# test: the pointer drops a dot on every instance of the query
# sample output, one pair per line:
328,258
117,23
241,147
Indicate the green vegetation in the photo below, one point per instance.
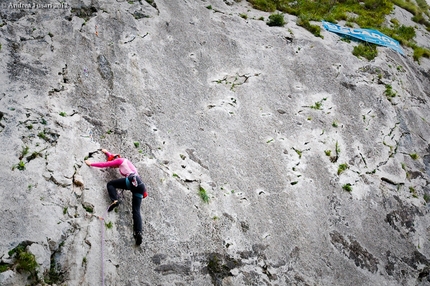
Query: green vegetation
24,152
65,210
389,92
317,105
136,144
264,5
347,187
63,114
365,50
413,192
276,20
203,195
370,14
243,15
420,52
335,124
42,135
3,267
299,152
24,260
342,167
109,225
426,198
87,208
334,158
21,166
414,156
303,21
327,153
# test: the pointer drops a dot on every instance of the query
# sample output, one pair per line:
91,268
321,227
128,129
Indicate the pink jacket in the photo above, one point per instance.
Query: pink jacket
124,165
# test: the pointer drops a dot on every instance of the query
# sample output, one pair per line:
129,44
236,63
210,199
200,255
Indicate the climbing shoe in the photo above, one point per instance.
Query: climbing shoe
113,205
138,238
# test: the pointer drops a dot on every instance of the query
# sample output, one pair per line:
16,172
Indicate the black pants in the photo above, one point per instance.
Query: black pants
136,201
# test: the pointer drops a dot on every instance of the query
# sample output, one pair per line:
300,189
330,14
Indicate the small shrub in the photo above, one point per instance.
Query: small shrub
3,267
413,192
414,156
314,29
87,208
136,144
42,135
327,152
342,168
30,126
276,20
347,187
263,5
109,225
63,114
203,195
317,105
21,166
420,52
209,7
335,124
389,91
24,152
65,210
405,32
243,15
367,51
337,147
24,260
299,152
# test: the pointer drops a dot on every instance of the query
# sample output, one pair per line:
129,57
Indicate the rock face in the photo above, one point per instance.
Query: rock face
259,119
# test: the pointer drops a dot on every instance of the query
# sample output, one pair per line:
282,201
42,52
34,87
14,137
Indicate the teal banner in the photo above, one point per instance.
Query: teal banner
367,35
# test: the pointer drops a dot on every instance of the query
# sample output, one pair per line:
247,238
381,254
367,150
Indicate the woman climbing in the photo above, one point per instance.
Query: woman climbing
132,182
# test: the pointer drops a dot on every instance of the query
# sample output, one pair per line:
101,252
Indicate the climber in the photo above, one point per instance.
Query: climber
132,182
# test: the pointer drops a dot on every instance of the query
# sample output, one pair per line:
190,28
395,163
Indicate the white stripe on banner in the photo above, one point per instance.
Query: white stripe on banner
368,35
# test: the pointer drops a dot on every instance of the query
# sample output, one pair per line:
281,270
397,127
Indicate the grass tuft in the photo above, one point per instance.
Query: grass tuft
347,187
342,168
276,20
365,50
203,195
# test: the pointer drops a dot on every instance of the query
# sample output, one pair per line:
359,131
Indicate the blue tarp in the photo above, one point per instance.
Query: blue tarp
368,35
